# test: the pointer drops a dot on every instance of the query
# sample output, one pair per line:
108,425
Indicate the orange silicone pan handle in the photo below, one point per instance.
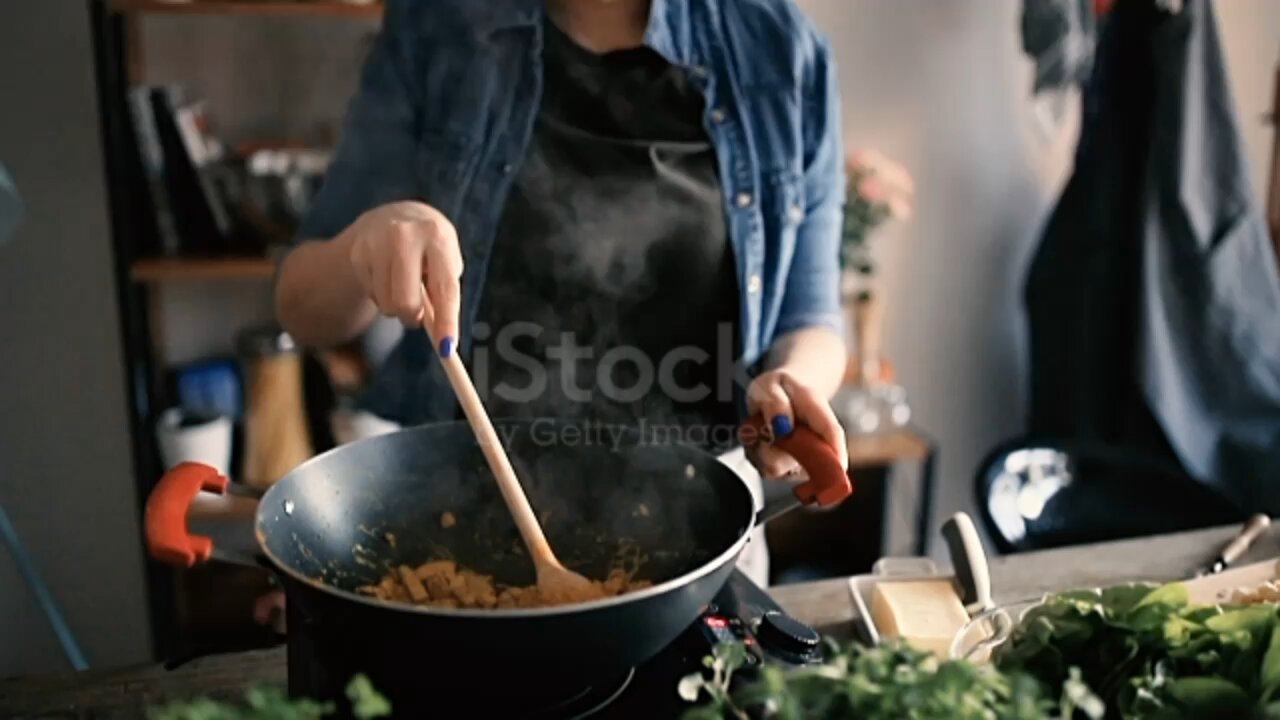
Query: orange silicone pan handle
165,520
828,482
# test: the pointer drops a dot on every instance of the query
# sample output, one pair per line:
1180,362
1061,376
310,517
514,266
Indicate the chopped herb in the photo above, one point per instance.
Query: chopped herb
270,703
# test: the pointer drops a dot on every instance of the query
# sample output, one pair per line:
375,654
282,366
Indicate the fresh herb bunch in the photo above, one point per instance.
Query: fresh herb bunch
1151,653
891,682
268,703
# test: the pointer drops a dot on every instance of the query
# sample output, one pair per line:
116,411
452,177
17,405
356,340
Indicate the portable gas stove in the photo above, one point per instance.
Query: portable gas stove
741,611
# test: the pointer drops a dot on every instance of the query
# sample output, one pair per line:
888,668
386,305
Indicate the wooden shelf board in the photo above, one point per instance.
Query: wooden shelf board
248,7
156,270
904,445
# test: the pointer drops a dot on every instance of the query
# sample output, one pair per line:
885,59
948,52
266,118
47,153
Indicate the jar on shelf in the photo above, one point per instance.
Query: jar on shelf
869,402
275,421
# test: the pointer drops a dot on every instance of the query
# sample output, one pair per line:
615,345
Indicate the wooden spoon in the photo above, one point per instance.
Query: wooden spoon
556,583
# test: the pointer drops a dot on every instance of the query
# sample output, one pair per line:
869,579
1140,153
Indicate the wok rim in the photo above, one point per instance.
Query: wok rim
656,590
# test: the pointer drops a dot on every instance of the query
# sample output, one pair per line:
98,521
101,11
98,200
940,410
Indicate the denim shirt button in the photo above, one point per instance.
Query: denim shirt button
754,283
743,200
719,115
508,168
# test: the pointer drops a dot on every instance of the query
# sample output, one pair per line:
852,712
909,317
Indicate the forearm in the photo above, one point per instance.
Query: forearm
319,301
815,357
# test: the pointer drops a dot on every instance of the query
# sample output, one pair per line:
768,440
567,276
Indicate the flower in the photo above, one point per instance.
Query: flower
872,190
896,176
899,208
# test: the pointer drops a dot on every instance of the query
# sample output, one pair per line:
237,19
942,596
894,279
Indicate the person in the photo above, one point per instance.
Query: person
594,202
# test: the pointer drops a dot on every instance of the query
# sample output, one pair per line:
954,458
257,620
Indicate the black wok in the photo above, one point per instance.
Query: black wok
345,518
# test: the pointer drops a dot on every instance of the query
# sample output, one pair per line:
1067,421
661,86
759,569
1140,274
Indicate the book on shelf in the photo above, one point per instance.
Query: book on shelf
182,174
205,155
197,198
151,156
199,211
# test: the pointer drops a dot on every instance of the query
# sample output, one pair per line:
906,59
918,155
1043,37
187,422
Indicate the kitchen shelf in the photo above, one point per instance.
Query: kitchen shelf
248,7
158,270
902,445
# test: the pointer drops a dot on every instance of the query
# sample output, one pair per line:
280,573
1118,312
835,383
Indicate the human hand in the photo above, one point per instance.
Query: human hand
398,248
785,402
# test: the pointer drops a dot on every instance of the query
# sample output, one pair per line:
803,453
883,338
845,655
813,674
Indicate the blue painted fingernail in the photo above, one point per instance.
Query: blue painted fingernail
446,347
781,425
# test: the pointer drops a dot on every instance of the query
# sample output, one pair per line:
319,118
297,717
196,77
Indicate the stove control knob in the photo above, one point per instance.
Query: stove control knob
782,633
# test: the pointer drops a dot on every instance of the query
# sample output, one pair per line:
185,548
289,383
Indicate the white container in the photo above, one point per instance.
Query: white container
351,425
886,570
207,440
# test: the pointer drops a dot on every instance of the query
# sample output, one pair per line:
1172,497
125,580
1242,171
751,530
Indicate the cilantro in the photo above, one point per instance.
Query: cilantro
269,703
891,682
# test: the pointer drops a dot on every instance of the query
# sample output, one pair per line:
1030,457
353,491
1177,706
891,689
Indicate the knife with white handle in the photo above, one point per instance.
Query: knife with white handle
969,559
1239,545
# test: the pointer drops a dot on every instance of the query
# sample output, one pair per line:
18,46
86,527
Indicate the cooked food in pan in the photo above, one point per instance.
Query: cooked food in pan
441,583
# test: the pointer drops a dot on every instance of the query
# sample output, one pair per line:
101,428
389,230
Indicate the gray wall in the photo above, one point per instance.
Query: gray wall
66,477
944,87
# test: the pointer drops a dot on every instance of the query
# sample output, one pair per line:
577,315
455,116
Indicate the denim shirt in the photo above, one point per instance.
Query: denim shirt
445,112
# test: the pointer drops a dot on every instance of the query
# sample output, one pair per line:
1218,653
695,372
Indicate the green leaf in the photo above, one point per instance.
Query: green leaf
366,703
1269,679
1255,620
1173,594
1209,697
1120,599
1178,631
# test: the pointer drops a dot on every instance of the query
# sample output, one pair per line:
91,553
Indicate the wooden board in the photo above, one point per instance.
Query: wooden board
1219,588
888,448
155,270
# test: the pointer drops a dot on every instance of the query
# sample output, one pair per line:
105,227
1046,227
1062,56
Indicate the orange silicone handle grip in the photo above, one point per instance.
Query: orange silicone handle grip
165,520
828,482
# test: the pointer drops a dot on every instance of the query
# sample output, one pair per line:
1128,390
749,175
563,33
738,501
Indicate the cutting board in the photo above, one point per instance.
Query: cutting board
1219,588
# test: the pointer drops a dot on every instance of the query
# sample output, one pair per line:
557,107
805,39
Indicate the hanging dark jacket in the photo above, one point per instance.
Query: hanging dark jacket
1154,298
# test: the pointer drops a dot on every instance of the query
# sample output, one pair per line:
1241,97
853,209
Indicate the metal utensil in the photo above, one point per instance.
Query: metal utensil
1239,545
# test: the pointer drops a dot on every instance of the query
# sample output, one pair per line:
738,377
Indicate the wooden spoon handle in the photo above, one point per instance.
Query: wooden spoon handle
491,446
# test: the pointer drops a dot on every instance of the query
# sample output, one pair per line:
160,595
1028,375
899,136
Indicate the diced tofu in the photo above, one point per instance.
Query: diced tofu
479,590
438,586
616,581
413,584
437,567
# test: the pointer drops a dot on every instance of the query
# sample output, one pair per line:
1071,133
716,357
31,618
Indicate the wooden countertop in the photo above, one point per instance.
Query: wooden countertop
112,694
